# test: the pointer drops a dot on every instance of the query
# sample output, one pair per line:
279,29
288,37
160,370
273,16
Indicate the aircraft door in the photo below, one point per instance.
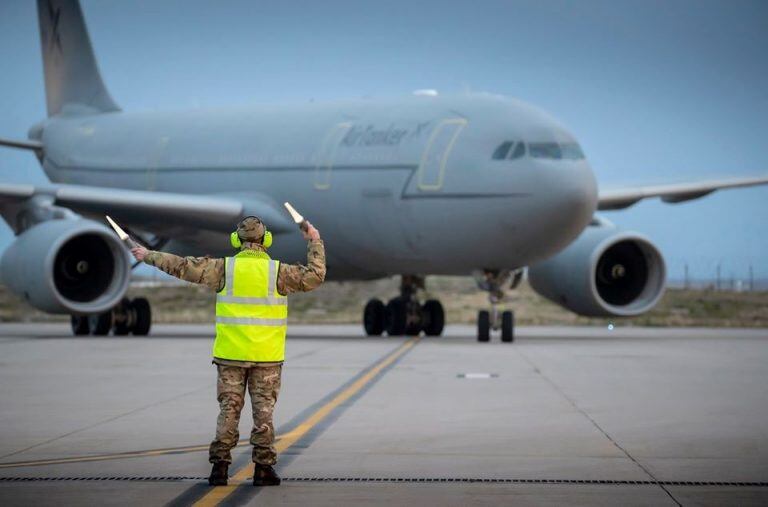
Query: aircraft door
435,156
327,154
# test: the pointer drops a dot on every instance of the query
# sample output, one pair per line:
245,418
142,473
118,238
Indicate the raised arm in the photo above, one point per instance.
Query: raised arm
202,270
303,278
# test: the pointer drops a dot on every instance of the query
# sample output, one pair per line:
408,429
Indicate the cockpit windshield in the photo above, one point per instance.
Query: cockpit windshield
510,150
571,151
545,150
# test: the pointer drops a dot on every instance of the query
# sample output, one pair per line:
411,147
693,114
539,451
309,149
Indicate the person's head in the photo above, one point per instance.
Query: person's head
251,230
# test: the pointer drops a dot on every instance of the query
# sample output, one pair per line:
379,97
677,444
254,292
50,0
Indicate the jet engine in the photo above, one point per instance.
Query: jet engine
604,272
67,266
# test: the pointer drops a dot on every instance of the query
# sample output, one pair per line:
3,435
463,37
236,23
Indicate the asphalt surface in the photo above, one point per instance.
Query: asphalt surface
564,416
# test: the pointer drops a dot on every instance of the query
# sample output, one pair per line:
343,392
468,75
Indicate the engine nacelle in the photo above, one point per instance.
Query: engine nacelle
605,272
67,266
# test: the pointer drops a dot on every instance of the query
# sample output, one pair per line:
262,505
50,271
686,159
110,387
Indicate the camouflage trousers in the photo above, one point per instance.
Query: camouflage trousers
263,384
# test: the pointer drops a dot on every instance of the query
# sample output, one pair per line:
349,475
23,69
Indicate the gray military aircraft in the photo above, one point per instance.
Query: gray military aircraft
413,186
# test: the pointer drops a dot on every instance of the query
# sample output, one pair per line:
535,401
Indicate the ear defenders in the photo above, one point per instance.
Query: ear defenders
236,242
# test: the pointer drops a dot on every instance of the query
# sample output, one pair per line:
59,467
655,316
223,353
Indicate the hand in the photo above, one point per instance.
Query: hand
311,233
139,252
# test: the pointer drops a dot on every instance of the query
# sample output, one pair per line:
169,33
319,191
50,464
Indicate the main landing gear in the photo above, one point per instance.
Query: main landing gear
404,315
493,282
130,316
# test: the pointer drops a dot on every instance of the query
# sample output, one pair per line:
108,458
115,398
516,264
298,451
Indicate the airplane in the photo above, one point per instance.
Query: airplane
425,184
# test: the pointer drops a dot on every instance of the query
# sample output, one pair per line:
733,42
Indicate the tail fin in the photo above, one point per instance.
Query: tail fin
71,74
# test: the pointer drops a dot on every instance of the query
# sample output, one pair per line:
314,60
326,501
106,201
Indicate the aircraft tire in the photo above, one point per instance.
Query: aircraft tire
373,317
80,325
121,329
434,317
395,317
143,317
507,327
413,328
483,326
100,323
124,317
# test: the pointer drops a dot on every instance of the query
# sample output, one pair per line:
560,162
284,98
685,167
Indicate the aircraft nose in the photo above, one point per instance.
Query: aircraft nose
573,200
577,194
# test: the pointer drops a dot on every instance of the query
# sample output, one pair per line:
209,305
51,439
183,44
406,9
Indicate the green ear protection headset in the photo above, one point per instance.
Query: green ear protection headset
236,242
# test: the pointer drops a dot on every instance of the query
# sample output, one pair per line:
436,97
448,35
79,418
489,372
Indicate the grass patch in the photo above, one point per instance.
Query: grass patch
343,302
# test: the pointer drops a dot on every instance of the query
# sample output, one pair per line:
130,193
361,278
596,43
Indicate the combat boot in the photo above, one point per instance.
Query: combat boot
265,475
219,474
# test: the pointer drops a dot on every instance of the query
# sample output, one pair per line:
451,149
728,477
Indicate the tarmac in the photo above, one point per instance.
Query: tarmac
563,416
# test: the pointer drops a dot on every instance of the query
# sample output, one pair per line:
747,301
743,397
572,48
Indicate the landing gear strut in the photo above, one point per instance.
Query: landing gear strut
493,282
130,316
404,315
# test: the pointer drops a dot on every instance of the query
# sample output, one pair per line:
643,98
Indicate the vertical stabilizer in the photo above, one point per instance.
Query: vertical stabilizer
71,74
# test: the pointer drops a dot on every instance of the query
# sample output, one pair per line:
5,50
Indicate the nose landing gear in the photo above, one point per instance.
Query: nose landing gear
493,282
404,315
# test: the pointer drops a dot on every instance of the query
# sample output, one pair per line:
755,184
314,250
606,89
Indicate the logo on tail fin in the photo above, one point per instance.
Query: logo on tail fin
54,39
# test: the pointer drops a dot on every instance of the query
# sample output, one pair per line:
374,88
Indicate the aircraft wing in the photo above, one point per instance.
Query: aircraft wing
624,197
162,213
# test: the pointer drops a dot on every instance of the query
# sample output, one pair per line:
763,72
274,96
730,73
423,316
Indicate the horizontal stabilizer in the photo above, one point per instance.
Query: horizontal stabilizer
24,145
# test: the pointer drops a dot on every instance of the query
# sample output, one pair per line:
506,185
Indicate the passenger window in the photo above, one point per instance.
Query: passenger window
518,152
545,150
572,151
502,150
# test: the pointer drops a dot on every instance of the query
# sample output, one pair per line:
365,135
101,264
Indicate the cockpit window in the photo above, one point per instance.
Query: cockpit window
545,150
518,152
572,151
511,150
501,152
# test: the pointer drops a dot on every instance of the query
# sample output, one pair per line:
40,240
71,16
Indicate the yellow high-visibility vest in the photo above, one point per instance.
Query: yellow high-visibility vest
251,317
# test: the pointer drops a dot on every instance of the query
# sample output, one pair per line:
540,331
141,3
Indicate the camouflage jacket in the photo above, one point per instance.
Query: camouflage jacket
208,271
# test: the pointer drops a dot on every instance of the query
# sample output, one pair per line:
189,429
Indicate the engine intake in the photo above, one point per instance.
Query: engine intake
67,266
605,272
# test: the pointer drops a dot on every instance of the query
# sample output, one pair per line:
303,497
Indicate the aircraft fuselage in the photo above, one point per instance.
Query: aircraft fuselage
393,185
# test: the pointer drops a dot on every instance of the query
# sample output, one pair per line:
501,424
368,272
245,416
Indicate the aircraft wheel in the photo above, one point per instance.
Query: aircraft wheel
483,326
100,323
121,329
413,324
124,318
507,327
395,317
80,325
434,317
373,317
143,317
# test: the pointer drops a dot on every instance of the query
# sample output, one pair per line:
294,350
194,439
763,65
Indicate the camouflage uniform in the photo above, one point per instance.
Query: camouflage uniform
261,379
264,386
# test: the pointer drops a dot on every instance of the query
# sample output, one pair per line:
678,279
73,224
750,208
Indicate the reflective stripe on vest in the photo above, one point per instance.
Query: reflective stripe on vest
251,316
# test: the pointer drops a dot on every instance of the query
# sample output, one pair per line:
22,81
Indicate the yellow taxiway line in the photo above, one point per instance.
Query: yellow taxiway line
117,455
220,493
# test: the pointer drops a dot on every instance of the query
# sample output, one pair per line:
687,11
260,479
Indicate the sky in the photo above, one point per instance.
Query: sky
655,91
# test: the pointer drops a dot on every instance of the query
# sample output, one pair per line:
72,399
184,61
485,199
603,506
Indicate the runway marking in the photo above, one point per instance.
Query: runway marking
104,421
592,420
218,494
123,455
117,455
419,480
